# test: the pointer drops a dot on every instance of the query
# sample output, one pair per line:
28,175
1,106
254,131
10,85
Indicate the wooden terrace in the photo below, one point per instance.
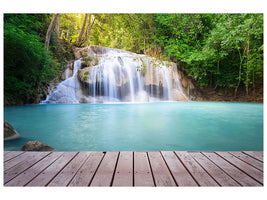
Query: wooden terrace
159,168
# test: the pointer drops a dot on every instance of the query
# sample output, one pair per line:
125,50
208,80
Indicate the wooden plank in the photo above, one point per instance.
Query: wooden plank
65,176
85,174
231,170
255,154
10,163
29,159
161,173
11,155
252,161
33,171
104,174
196,170
124,171
142,170
179,172
49,173
248,169
219,175
6,152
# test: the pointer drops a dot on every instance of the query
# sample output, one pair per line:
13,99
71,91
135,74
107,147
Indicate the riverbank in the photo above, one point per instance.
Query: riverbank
226,94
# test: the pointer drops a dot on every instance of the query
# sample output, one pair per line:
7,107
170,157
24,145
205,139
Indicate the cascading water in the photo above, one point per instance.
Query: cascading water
68,90
118,76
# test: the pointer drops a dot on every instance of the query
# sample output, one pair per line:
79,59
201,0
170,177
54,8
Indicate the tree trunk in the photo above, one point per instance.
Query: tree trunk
88,29
49,30
144,44
79,39
240,68
57,25
247,81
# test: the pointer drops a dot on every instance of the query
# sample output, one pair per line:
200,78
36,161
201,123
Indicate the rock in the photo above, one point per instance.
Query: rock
9,131
178,96
81,52
36,146
85,99
68,71
83,75
184,83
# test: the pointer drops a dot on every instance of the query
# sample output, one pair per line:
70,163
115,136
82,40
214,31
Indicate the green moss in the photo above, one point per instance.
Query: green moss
144,67
89,59
85,75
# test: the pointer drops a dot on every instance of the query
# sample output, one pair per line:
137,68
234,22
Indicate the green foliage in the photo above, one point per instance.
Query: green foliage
89,59
218,49
85,75
27,65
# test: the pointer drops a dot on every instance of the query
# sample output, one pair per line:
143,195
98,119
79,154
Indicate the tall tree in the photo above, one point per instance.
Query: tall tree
50,29
88,29
79,39
57,25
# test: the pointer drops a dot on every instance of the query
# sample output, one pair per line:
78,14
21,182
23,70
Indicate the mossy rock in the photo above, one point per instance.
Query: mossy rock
9,131
36,146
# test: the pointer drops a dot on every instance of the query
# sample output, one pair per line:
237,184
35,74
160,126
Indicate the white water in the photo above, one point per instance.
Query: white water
68,90
121,76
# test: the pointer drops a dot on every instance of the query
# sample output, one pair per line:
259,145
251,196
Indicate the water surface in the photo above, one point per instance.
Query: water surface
181,126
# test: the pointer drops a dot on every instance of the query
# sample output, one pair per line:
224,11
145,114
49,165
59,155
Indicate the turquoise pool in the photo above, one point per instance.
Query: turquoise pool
182,126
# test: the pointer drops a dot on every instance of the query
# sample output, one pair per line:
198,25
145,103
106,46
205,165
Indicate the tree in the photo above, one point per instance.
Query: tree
88,29
50,29
57,25
81,34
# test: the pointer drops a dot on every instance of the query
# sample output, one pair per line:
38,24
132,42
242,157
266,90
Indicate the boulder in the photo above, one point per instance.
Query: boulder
36,146
9,131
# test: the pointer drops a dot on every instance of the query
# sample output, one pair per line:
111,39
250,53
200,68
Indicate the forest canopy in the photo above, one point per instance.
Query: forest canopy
215,50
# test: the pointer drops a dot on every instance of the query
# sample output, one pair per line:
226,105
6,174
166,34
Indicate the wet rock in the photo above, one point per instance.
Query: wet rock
36,146
9,131
85,99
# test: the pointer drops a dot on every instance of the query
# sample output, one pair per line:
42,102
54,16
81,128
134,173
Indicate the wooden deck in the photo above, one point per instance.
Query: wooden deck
165,168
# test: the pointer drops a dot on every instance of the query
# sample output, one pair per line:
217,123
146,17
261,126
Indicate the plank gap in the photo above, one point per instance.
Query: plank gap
244,160
154,181
133,170
112,179
221,168
30,165
43,170
206,171
61,169
186,168
169,169
251,156
78,170
239,168
104,154
10,156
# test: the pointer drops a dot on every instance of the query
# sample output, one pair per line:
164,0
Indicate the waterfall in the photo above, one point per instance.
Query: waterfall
119,76
68,90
